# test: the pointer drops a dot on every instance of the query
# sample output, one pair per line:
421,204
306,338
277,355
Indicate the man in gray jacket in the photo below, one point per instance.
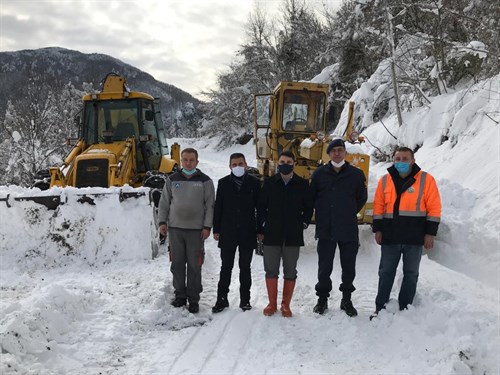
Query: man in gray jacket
186,213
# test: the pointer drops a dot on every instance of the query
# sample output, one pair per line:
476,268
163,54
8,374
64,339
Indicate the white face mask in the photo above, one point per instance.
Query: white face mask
238,171
337,165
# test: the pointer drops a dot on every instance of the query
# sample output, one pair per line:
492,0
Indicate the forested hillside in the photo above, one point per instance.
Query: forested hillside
427,48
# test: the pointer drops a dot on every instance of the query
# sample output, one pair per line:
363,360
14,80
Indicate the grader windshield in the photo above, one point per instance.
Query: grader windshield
303,111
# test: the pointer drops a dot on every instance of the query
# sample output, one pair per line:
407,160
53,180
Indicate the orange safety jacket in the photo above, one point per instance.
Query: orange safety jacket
406,209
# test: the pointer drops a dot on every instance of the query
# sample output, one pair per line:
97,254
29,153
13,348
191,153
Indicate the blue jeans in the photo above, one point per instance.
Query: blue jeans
389,260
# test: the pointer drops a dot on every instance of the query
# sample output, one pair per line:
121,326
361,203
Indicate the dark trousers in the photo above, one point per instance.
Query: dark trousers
326,254
389,260
227,255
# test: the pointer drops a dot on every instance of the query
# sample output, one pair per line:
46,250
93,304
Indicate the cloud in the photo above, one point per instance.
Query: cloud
183,43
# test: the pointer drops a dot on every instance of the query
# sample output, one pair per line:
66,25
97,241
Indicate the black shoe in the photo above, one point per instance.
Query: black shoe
245,306
321,306
374,315
347,306
194,307
178,302
220,305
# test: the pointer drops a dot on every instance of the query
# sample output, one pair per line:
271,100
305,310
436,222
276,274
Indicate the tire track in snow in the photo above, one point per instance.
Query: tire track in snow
243,347
237,315
216,344
186,345
189,346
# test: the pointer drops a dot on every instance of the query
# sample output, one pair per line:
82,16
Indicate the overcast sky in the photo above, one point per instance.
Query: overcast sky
181,42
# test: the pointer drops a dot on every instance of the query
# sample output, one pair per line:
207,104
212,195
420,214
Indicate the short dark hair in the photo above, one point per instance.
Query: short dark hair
404,149
287,154
190,150
237,155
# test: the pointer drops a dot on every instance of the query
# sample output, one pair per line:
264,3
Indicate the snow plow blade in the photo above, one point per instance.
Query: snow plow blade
54,201
51,201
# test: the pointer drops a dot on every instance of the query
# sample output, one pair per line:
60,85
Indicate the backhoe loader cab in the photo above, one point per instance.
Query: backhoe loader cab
117,120
120,140
293,118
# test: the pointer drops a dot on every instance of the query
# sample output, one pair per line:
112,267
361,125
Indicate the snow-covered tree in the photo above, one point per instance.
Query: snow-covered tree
35,129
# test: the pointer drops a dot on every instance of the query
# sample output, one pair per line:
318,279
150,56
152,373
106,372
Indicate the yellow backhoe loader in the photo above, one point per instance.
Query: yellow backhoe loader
121,142
293,118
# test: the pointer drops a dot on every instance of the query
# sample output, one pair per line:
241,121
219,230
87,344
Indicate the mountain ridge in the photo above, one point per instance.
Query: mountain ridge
59,66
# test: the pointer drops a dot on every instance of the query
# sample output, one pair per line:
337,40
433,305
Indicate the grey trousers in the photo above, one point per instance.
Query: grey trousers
186,248
272,260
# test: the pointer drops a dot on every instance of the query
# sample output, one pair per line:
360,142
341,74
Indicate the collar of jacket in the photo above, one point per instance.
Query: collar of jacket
342,168
277,178
395,174
197,173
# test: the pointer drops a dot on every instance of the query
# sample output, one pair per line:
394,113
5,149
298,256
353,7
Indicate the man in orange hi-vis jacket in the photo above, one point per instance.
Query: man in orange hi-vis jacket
406,215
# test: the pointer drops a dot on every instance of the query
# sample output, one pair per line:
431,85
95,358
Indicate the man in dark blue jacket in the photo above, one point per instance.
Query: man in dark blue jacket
235,226
339,192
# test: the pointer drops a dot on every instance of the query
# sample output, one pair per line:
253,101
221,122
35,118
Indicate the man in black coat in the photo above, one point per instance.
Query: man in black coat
284,211
339,191
235,226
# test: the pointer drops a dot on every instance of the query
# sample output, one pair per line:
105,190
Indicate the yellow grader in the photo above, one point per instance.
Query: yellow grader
293,118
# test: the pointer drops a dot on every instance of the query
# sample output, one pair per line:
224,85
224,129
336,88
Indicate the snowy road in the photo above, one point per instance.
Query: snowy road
115,318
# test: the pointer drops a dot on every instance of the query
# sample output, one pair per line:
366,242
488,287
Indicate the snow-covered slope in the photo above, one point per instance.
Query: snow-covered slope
458,141
90,300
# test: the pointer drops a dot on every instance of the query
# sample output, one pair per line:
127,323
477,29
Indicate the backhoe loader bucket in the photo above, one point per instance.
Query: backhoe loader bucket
93,224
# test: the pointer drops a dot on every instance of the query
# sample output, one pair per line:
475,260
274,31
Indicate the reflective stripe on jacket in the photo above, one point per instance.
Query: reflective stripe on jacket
405,218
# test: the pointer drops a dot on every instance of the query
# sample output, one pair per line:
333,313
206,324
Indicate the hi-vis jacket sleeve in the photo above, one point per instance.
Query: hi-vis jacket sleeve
378,207
433,205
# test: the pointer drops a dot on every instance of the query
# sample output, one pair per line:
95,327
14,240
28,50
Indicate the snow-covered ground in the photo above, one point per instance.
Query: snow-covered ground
89,300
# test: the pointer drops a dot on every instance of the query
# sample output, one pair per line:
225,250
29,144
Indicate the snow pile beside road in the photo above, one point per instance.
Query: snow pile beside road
96,233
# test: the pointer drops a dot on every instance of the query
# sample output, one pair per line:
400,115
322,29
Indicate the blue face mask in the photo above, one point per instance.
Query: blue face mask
189,173
402,167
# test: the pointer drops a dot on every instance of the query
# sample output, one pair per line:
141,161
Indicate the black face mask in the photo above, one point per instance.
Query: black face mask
285,168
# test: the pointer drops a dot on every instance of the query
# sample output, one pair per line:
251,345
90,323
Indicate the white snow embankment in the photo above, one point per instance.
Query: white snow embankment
92,233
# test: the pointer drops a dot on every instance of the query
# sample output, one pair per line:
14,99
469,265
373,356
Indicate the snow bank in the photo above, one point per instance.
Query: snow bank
458,142
34,236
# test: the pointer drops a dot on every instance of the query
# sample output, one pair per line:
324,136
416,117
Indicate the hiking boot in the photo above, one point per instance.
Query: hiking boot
321,306
178,302
220,305
245,306
347,306
194,307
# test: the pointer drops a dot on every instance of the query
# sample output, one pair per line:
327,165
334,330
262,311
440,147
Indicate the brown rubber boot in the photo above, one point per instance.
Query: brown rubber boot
272,292
288,287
